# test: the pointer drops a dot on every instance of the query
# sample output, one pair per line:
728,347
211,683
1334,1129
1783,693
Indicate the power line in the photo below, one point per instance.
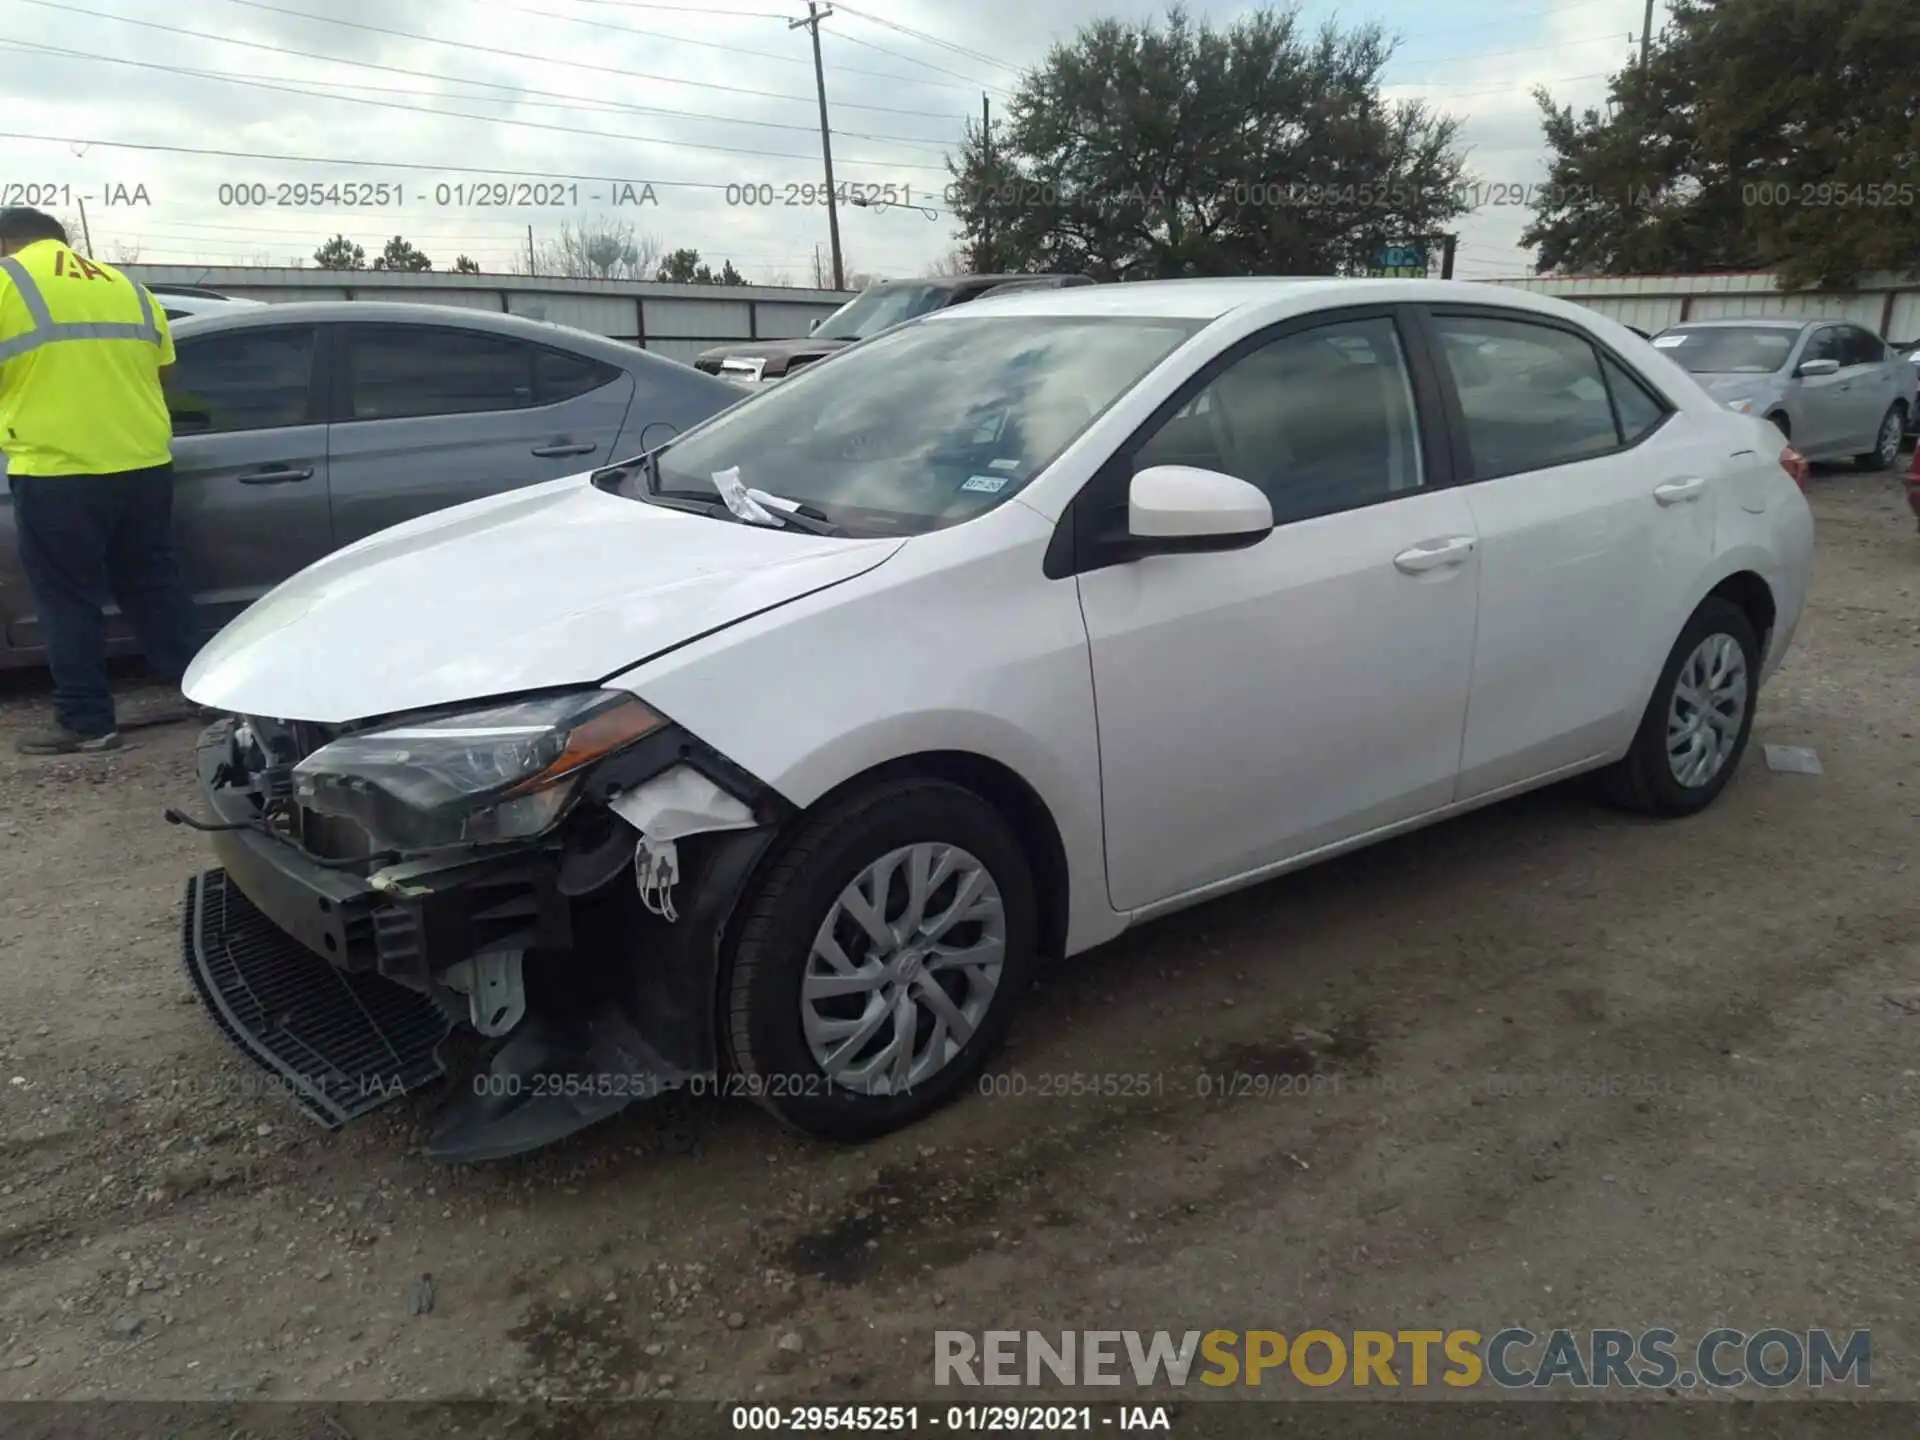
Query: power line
927,39
525,55
561,101
690,10
710,44
371,65
915,60
557,129
1524,50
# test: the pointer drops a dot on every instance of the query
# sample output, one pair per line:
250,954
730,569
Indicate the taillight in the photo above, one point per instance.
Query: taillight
1795,464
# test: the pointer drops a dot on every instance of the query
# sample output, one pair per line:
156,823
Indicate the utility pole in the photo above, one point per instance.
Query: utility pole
1646,42
86,235
985,265
1449,248
531,267
814,16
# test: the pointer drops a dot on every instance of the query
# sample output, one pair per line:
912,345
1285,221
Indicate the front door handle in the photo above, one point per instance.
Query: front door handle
274,475
565,447
1434,555
1680,492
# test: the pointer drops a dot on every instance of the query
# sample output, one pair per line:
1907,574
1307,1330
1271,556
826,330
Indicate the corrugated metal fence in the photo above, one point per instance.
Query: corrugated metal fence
678,321
1888,304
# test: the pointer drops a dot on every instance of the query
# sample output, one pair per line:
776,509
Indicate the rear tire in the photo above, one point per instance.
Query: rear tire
809,974
1886,448
1687,749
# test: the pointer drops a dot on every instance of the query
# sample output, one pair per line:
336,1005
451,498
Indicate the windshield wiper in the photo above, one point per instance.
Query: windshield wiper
796,514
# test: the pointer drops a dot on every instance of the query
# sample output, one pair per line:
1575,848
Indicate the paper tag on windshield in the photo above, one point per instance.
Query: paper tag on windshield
733,492
990,484
1003,464
1667,342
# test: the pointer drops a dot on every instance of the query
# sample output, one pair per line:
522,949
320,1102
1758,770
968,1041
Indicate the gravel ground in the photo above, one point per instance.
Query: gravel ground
1711,1110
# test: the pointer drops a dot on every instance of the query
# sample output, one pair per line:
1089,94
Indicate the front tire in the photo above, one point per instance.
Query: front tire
1886,445
881,959
1696,725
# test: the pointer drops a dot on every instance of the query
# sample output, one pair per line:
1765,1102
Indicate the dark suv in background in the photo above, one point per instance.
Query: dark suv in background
753,363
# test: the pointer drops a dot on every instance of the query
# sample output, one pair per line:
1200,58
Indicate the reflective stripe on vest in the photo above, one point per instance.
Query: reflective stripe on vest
46,330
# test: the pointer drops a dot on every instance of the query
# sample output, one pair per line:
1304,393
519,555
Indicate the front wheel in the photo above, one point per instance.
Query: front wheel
1696,725
881,959
1886,445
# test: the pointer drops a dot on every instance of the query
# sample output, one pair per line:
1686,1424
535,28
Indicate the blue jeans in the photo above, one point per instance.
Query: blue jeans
85,539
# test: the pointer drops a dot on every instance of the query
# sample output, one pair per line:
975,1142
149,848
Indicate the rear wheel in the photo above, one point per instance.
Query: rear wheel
1696,725
881,960
1886,445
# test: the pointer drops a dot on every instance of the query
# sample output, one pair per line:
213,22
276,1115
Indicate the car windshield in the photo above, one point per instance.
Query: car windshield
1728,349
879,309
925,427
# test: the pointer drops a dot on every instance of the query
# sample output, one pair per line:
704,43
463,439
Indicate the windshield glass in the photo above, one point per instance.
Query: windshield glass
1728,349
879,308
927,426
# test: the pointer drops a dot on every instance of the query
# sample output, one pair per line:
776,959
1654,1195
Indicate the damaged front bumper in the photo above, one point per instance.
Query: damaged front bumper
346,978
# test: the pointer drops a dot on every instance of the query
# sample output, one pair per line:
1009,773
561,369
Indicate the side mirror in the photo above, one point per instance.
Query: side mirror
813,324
1176,509
1818,367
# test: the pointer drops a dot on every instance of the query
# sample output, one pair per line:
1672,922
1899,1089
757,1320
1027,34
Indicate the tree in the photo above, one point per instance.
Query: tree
465,265
400,254
1135,152
124,252
340,253
954,262
685,267
1720,157
594,249
822,271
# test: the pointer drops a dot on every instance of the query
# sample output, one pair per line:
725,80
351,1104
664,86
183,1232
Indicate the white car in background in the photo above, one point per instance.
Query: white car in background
781,751
181,301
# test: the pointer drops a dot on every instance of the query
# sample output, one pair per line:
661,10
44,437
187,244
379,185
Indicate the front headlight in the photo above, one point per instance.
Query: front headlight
1745,407
504,773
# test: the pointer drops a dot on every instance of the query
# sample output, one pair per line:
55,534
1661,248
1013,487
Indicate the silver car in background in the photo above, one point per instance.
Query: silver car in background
1833,387
301,428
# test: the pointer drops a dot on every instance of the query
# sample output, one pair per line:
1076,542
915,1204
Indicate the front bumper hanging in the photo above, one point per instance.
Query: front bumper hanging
341,1043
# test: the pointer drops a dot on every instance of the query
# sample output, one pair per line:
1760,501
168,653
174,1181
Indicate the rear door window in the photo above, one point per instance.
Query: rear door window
1532,395
559,376
1861,347
251,379
402,371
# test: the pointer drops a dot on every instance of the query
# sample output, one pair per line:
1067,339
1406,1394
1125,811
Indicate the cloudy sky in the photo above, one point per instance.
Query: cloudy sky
99,98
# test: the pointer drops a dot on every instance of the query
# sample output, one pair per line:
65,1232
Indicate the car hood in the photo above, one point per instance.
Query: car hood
556,584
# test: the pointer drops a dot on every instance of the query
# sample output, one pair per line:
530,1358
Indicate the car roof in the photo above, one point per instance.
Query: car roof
1211,299
381,312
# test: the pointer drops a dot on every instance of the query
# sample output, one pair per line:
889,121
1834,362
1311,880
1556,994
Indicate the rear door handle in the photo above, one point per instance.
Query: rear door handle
1434,555
1680,492
565,447
274,475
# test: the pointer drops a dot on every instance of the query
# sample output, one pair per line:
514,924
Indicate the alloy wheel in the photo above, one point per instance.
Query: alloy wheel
903,968
1708,708
1890,432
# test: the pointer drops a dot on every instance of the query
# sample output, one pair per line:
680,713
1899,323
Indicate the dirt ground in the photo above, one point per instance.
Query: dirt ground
1580,1069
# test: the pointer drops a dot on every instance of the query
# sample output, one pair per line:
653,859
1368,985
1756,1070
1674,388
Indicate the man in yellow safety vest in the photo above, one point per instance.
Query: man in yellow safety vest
85,430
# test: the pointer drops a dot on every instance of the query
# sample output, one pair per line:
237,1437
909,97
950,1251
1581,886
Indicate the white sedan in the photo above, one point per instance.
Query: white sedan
777,754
